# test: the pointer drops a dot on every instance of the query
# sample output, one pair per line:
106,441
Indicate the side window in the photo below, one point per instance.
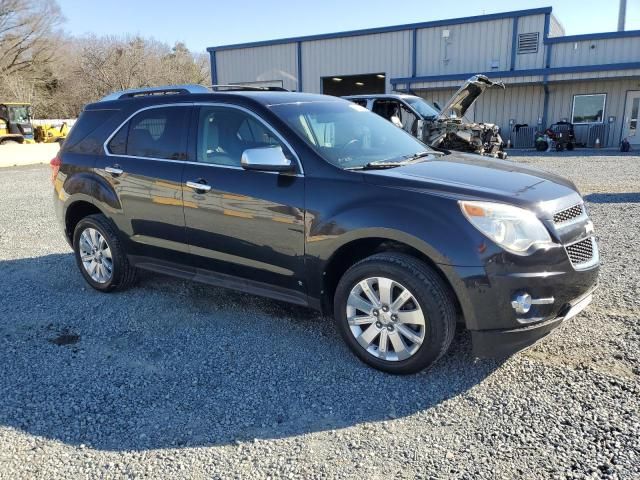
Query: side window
224,133
409,120
389,109
154,133
360,101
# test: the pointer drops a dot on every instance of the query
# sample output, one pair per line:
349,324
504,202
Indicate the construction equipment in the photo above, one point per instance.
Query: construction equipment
48,133
15,123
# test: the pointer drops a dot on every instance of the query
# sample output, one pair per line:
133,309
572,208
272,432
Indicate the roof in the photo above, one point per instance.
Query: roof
380,95
266,99
394,28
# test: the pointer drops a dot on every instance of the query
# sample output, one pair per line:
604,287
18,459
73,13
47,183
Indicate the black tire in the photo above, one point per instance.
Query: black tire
559,147
432,295
570,146
123,273
541,145
10,142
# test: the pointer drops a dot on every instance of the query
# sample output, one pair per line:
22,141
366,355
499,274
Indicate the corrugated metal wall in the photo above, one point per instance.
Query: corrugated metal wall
259,64
561,101
594,52
387,53
470,47
555,27
531,24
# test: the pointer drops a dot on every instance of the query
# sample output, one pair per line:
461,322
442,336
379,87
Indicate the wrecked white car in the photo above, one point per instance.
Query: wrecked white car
441,127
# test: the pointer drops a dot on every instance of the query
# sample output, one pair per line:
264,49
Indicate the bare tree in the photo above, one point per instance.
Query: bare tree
27,28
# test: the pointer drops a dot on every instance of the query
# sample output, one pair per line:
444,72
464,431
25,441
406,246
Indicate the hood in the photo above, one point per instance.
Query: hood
466,95
478,177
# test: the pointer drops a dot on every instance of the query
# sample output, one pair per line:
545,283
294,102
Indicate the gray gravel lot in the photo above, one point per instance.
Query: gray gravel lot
174,379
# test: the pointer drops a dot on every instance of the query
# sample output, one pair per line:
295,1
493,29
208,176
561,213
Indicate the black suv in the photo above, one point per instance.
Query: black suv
314,200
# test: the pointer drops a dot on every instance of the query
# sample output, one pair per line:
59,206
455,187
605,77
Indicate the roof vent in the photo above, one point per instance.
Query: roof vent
528,42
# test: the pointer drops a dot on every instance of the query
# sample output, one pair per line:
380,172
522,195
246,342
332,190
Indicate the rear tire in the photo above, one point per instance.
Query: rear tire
422,343
100,255
10,142
541,145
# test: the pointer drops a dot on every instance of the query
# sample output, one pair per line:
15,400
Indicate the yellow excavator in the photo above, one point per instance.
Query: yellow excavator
16,126
15,123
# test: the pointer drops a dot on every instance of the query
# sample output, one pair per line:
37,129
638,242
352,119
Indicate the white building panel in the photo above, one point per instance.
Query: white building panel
594,52
378,53
531,24
479,47
259,64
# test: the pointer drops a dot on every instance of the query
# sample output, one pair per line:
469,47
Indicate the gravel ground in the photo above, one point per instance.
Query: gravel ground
173,379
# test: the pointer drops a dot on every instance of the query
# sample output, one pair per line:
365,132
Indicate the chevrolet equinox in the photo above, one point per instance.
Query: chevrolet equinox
316,201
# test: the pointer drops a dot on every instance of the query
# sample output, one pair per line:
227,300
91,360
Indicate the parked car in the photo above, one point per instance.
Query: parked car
316,201
443,128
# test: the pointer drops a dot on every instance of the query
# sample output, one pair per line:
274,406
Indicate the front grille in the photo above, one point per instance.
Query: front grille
580,252
568,214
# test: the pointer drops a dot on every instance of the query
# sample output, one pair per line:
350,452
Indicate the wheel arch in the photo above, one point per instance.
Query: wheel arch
353,250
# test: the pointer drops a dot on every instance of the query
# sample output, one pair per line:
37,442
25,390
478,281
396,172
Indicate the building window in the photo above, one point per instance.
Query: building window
528,42
588,108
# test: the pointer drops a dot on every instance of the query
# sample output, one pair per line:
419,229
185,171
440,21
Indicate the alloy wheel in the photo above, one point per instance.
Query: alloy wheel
95,255
385,318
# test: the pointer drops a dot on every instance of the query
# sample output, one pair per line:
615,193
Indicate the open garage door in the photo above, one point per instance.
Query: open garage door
354,84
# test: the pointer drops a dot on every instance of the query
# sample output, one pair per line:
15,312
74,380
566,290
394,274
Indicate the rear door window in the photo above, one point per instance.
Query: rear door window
154,133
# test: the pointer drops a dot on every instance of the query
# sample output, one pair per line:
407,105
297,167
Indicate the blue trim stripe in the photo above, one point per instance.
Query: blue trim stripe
214,67
521,73
299,86
395,28
514,41
593,36
414,53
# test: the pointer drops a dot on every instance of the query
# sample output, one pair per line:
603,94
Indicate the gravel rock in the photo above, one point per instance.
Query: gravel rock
173,379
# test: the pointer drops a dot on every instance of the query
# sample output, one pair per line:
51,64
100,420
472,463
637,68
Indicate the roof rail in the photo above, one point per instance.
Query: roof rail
145,91
239,87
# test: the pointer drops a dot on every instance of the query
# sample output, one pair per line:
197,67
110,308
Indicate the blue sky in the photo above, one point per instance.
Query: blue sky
201,24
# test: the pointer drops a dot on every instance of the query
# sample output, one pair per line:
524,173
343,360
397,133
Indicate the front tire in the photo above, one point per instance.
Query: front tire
100,255
395,313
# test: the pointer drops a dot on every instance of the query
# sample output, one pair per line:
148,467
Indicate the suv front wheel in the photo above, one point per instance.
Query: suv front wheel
100,255
395,313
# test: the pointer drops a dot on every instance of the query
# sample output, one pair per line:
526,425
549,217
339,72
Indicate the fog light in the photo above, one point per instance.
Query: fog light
522,303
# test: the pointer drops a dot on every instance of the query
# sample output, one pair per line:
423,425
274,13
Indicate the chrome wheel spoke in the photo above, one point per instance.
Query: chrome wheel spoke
385,285
359,303
399,347
401,300
382,342
409,334
369,335
361,320
95,255
366,289
412,317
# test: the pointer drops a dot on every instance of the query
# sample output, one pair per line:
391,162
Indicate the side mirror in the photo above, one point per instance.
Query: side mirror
270,159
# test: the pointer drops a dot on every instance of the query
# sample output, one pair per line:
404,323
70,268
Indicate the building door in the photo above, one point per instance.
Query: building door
631,128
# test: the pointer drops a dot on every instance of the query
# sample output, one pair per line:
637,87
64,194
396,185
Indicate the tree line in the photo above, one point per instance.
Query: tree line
58,73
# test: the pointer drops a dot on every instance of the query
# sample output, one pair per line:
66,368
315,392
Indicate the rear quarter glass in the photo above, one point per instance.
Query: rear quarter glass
81,138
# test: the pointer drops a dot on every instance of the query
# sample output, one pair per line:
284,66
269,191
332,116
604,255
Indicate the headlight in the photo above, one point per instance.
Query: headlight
513,228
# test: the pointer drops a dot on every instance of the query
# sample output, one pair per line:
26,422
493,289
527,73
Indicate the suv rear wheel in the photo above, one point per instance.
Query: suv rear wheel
100,255
395,313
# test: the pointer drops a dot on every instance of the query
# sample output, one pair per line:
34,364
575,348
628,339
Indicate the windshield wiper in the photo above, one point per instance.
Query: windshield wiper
406,160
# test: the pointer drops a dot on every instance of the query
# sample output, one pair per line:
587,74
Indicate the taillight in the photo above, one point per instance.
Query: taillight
55,163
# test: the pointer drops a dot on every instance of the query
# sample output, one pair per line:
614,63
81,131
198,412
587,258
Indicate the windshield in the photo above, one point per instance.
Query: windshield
422,107
19,114
348,135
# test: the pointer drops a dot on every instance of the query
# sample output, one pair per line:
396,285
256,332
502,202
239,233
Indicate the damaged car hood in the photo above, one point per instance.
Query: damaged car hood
466,95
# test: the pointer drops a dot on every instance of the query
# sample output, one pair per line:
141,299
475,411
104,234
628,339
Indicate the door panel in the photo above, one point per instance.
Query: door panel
250,224
150,189
631,119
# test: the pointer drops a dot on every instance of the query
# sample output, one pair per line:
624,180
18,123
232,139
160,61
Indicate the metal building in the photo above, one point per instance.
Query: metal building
591,80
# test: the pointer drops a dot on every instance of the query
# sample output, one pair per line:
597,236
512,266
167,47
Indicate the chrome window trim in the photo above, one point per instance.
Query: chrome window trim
202,104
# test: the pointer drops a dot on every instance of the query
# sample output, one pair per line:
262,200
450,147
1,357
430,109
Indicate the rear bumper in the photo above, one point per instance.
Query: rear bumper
506,342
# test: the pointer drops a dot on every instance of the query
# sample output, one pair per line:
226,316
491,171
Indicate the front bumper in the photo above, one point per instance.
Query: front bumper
506,342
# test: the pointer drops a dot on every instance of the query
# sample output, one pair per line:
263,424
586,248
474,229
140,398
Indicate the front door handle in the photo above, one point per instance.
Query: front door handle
115,170
198,186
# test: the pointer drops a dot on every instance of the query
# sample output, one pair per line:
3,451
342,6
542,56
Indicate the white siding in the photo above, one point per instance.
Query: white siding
561,101
388,53
259,64
555,27
471,47
531,24
593,52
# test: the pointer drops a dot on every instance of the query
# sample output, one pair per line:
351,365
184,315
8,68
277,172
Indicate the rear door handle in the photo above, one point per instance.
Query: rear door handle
201,187
115,170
